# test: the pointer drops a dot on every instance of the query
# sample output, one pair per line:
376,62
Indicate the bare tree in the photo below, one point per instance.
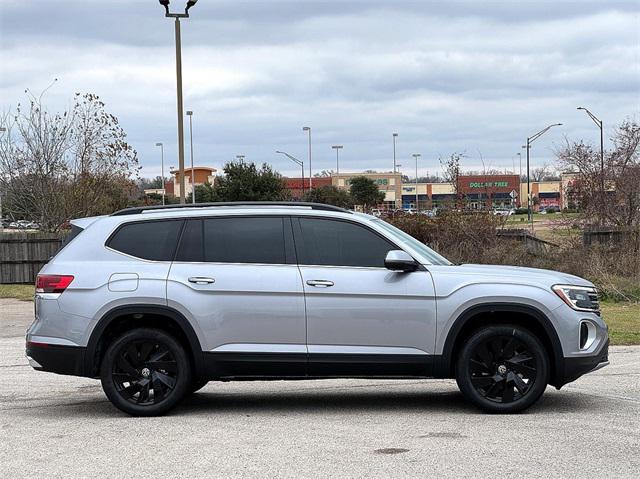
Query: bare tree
451,169
540,173
54,167
619,204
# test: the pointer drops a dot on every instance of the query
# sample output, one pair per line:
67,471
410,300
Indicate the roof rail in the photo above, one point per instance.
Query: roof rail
314,206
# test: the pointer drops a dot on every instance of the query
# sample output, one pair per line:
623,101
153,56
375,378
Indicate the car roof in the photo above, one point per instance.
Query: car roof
233,209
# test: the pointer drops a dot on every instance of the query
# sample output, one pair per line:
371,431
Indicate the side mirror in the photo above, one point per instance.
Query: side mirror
398,260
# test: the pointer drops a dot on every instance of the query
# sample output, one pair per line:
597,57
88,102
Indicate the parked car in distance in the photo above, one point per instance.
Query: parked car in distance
157,301
504,211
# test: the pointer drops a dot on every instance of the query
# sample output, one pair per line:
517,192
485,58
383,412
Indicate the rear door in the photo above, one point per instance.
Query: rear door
236,276
362,319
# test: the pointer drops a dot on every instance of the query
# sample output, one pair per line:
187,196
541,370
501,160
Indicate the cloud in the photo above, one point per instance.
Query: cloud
447,76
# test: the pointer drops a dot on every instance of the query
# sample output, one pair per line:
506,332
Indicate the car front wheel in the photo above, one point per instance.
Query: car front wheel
502,369
145,372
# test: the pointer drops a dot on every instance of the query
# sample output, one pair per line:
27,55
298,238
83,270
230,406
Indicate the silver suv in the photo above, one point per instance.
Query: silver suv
156,302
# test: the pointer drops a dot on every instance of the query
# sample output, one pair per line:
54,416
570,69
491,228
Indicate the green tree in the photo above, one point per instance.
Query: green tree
245,182
365,192
205,193
329,195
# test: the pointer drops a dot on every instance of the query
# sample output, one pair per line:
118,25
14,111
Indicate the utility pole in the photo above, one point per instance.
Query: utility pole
395,135
599,124
530,140
308,130
337,148
300,163
162,169
416,156
193,174
178,16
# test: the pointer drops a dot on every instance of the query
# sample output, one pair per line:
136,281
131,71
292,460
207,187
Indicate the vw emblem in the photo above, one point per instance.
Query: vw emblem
146,372
502,369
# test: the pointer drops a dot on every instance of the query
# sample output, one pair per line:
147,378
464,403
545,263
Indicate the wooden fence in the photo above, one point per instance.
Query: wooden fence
22,254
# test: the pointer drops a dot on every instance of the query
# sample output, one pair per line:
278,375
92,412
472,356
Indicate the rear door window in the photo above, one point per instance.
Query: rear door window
152,240
236,240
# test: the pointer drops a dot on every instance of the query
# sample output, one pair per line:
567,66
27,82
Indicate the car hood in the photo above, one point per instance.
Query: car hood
517,274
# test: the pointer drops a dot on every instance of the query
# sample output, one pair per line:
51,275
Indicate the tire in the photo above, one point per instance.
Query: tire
145,372
502,369
197,385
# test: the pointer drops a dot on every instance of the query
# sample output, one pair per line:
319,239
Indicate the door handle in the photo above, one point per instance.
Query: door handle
201,280
320,283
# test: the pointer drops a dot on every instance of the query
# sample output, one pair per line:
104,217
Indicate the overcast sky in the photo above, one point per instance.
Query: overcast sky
468,76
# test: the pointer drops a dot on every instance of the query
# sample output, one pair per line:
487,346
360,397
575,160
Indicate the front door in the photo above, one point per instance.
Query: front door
362,319
237,279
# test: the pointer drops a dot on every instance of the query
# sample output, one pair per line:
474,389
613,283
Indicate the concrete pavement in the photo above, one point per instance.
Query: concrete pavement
59,426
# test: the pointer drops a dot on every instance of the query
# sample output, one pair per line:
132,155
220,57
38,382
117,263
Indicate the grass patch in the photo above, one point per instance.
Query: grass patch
623,320
22,292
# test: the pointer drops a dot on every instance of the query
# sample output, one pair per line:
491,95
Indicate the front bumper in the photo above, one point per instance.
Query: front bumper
575,367
56,358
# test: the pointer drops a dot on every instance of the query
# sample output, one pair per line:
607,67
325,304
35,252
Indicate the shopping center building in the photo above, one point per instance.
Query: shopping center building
472,192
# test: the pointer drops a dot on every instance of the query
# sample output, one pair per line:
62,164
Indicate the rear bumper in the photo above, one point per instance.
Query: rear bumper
55,358
576,367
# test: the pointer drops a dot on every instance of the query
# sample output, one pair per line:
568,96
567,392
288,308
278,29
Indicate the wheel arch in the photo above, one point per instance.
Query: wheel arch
156,316
527,316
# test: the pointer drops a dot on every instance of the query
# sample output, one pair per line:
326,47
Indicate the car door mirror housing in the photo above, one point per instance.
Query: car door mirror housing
398,260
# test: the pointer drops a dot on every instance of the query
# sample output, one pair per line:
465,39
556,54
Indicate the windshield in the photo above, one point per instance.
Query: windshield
423,249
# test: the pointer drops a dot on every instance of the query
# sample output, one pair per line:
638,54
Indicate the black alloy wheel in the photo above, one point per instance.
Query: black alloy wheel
503,369
145,372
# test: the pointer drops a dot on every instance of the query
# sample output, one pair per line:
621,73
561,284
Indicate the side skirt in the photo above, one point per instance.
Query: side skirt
259,366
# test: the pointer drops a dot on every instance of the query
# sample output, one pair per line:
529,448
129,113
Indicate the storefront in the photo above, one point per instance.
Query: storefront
489,191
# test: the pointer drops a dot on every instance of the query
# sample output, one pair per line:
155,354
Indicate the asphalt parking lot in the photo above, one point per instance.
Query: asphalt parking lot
59,426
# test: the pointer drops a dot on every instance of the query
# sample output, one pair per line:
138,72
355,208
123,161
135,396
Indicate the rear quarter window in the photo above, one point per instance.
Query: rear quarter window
151,240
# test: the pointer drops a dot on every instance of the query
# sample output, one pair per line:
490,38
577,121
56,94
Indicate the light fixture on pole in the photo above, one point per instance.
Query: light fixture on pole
178,16
337,148
193,173
530,140
598,123
395,135
300,163
240,158
416,156
308,130
162,168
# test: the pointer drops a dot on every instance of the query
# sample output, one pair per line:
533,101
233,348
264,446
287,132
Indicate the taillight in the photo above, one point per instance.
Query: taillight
52,283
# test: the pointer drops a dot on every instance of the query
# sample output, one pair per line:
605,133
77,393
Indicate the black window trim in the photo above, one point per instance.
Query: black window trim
290,254
299,243
152,220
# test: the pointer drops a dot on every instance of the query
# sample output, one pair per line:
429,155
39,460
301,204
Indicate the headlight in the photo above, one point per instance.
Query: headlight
580,298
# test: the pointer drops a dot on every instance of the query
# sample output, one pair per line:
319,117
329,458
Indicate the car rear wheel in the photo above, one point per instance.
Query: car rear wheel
145,372
502,369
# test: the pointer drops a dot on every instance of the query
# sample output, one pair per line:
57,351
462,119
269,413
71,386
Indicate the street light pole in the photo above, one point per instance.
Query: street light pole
308,130
193,174
337,148
519,177
2,130
530,140
416,156
395,135
162,169
599,124
300,163
178,16
240,158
